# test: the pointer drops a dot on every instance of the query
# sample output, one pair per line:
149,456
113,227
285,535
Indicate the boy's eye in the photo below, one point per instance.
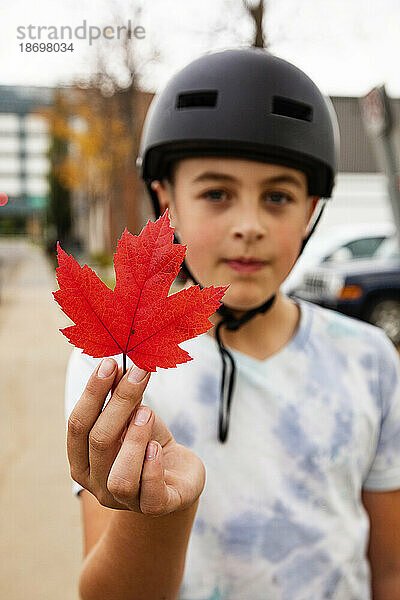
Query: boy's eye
215,195
274,198
278,198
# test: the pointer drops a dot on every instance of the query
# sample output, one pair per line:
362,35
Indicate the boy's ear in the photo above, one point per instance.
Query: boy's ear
313,203
164,198
162,194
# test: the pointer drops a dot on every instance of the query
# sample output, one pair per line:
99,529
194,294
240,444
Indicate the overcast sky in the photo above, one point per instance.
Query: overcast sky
346,46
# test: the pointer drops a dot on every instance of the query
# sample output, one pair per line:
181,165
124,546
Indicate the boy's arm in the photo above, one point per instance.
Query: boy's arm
384,545
137,557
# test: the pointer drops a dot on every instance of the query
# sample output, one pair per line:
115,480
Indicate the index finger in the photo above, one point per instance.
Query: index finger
84,415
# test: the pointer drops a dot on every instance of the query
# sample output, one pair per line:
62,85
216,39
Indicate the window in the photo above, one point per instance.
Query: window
361,248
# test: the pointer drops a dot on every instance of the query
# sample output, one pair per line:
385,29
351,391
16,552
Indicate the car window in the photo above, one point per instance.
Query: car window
389,248
361,248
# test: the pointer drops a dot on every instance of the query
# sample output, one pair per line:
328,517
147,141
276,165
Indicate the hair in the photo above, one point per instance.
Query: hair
169,172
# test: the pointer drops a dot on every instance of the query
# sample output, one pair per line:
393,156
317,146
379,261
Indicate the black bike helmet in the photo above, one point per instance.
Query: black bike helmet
243,103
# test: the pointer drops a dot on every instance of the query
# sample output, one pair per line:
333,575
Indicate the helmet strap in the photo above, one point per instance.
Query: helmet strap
231,323
315,223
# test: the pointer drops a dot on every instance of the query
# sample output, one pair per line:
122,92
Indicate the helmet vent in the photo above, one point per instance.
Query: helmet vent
286,107
200,99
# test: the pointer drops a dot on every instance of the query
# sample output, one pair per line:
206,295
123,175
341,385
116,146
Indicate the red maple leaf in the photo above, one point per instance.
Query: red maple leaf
137,318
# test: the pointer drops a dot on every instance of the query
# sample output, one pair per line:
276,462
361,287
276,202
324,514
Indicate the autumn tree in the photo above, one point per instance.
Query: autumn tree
101,121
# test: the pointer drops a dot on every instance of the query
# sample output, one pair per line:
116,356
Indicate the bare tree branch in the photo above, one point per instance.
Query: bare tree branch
257,13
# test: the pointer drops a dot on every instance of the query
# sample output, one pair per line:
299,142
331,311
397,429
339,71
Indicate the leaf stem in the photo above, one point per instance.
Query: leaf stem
124,364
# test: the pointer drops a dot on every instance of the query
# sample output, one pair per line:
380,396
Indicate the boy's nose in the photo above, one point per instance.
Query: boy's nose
248,227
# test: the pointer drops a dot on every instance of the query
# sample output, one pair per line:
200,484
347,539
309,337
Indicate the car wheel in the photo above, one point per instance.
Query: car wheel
385,313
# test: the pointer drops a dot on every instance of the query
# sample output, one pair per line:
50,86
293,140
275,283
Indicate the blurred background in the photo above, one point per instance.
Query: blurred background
70,123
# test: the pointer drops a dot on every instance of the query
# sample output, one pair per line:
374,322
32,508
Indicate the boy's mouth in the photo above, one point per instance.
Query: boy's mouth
246,265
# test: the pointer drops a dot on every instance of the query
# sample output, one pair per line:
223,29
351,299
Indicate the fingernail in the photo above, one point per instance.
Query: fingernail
135,374
106,367
142,415
151,451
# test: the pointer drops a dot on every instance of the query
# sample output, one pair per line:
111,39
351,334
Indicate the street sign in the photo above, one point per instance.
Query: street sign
379,123
376,112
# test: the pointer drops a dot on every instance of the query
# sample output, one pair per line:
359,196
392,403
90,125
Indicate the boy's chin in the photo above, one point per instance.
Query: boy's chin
240,301
240,306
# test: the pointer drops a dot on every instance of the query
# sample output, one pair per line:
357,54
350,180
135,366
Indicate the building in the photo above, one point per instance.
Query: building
98,220
24,164
361,192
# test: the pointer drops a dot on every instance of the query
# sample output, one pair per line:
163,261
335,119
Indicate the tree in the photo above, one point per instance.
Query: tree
101,125
58,210
257,13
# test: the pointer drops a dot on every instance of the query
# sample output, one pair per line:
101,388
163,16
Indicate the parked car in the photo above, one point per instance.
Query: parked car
338,244
368,289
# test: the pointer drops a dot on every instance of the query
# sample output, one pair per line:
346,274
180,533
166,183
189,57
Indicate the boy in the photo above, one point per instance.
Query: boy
302,452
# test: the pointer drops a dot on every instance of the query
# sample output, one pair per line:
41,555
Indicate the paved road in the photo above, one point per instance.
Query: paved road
40,541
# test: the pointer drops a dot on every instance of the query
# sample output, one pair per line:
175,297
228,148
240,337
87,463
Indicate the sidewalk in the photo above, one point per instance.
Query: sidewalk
40,542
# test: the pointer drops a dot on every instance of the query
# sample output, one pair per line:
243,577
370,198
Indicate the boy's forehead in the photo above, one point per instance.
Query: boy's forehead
199,168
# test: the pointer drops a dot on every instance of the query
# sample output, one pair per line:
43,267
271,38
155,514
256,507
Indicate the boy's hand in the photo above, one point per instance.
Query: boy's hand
107,450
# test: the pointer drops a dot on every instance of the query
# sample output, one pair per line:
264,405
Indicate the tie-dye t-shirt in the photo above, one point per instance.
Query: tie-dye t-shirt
281,516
